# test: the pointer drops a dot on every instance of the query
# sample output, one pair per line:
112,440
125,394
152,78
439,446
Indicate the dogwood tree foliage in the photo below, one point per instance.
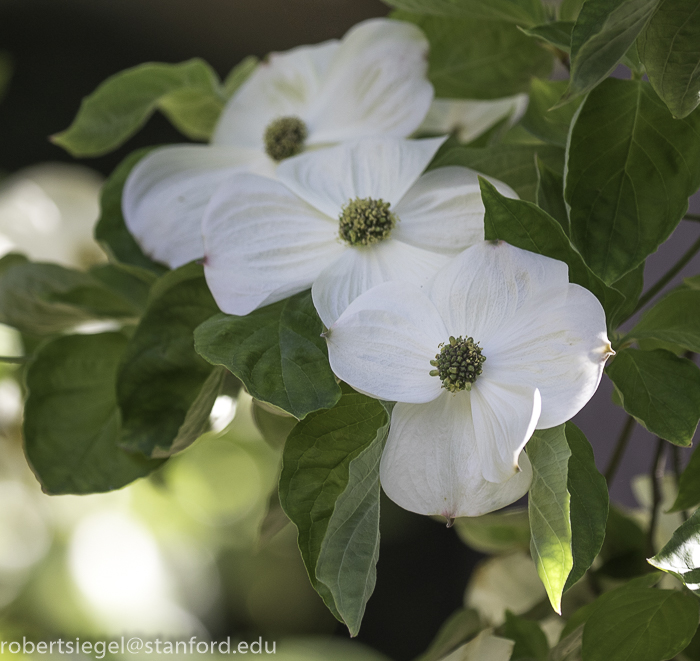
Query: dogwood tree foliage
464,236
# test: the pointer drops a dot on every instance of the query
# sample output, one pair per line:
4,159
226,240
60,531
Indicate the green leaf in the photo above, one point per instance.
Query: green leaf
111,232
165,390
524,225
603,33
475,59
278,353
556,33
630,286
512,164
530,642
630,172
238,75
588,505
660,390
456,630
499,532
188,93
570,9
123,282
640,623
275,427
670,50
549,125
681,556
549,509
675,319
568,648
71,422
624,548
522,12
44,299
689,485
329,488
550,195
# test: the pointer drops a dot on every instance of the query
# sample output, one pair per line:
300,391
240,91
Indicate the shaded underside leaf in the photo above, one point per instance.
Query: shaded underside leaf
44,299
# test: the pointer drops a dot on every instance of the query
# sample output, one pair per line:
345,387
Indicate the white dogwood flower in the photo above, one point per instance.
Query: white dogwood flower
373,82
497,345
467,119
342,219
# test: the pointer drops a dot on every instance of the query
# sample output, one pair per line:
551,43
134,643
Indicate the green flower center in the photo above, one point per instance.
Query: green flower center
284,137
366,221
458,363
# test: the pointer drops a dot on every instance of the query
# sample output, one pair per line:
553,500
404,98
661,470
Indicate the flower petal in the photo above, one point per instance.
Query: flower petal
284,85
482,288
504,417
556,344
360,269
379,168
469,118
383,343
166,193
263,244
431,462
377,84
443,210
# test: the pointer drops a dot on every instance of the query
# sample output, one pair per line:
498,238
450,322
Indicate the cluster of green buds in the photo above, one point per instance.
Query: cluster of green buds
364,222
285,137
458,363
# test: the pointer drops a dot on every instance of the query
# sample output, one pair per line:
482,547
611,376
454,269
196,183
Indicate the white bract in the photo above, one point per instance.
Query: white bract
456,452
373,82
467,119
342,219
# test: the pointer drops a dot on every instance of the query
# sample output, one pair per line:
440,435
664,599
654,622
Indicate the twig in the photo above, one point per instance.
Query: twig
656,474
668,276
620,448
692,216
676,461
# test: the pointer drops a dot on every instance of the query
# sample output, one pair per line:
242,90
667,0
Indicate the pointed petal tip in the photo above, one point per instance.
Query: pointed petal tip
450,520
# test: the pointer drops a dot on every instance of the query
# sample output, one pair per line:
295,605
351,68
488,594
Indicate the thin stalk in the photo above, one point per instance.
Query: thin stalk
692,216
668,276
15,360
656,474
620,448
677,470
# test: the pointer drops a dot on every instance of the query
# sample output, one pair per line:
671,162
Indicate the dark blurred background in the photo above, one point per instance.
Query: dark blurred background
62,49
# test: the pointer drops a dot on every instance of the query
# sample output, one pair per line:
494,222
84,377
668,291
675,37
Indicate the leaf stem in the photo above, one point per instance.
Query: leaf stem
692,216
16,360
656,474
677,470
668,276
620,448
